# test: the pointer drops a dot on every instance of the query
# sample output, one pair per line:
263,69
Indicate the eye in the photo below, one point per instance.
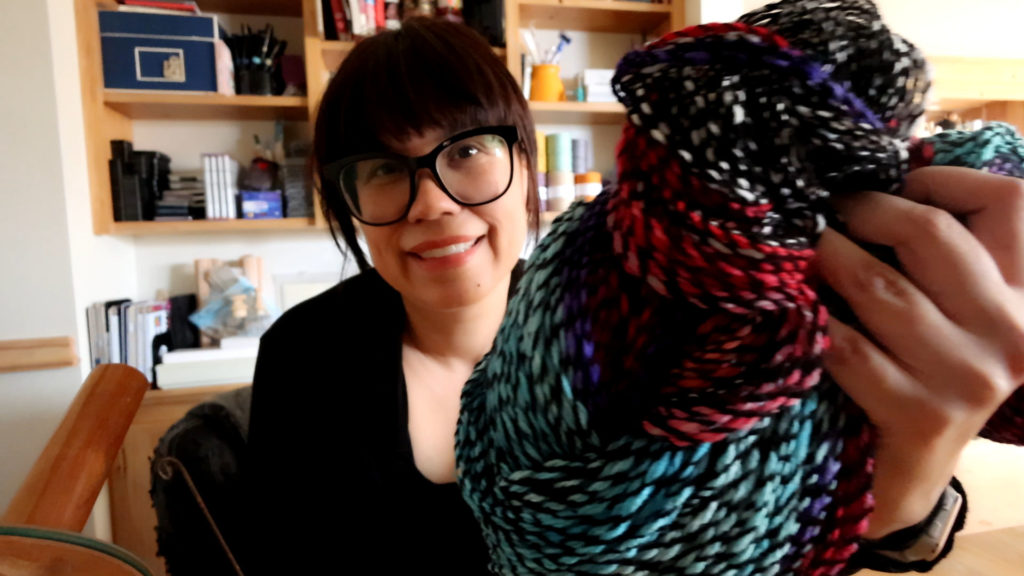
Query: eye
465,151
381,169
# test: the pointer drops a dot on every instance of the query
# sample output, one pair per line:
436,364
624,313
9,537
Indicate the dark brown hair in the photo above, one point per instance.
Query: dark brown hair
430,74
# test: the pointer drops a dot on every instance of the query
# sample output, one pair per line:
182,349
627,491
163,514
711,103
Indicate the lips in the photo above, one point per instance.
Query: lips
442,247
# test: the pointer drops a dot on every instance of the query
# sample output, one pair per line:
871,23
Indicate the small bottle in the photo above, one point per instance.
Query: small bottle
450,10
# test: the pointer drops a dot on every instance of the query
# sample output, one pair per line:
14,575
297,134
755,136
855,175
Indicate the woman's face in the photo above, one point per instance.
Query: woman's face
444,255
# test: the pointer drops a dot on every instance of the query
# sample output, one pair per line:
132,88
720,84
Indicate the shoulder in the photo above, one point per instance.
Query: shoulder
364,299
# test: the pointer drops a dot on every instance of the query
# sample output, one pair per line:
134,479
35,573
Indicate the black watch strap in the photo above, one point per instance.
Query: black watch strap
920,547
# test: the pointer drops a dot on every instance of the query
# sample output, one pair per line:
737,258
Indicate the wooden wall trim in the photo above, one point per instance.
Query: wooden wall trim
37,354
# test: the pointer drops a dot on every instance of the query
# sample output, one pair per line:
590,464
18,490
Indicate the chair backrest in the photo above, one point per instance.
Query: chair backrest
38,531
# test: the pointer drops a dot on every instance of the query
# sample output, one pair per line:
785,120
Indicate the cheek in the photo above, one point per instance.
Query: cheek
380,245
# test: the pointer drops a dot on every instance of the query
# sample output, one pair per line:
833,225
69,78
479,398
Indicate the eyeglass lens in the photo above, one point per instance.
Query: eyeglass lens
474,170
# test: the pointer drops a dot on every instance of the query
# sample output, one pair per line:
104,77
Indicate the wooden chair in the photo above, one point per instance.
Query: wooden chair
40,531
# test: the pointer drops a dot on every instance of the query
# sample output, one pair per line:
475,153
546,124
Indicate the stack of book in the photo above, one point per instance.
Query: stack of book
345,19
126,332
220,186
298,190
184,198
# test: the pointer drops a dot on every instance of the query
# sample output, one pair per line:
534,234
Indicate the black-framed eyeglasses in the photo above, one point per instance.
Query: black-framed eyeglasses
473,168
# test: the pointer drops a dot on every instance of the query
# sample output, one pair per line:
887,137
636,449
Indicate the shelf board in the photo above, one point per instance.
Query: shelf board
578,112
259,7
170,106
207,226
334,52
595,15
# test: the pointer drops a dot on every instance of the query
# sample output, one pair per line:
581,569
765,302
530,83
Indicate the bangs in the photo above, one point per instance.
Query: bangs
410,81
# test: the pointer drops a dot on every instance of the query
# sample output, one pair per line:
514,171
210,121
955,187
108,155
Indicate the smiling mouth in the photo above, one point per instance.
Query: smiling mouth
449,250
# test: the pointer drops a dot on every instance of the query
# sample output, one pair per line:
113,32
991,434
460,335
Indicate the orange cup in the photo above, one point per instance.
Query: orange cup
545,83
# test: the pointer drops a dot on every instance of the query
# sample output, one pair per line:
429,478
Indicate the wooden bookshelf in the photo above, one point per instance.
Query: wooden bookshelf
578,112
210,226
596,15
167,106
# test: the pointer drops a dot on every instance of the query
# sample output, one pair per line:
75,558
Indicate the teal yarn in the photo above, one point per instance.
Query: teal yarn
996,148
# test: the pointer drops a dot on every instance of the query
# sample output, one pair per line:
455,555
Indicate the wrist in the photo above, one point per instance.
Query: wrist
907,484
921,546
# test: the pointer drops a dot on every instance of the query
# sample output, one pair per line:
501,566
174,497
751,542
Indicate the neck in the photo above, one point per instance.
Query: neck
459,335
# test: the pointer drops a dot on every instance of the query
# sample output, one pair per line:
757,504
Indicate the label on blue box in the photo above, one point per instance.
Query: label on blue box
259,204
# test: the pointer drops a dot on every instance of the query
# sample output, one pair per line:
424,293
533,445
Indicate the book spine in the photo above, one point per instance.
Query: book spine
218,186
189,7
208,187
222,192
131,343
340,26
114,333
233,187
324,25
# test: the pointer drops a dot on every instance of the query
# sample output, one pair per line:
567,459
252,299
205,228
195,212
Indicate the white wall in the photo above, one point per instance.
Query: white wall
37,296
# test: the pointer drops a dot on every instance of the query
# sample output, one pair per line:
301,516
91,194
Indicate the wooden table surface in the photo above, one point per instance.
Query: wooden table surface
992,553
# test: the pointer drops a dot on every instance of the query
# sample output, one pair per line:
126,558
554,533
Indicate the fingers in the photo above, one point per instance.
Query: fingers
865,372
894,311
993,205
940,256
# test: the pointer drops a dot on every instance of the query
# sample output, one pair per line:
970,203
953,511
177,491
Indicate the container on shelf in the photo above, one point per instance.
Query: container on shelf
546,84
144,51
588,185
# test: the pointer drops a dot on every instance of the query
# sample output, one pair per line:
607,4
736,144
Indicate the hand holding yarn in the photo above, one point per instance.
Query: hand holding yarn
943,346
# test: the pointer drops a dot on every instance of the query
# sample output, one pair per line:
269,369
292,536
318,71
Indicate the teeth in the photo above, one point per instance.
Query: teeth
447,250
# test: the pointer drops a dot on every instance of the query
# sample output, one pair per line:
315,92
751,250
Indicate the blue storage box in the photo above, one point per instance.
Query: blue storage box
143,51
261,205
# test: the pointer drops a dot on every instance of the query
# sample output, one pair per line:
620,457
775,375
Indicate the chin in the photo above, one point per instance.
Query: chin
458,291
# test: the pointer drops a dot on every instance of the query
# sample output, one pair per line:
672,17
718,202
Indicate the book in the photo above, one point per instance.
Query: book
212,372
340,19
112,325
208,198
192,355
232,186
154,319
174,6
325,19
207,366
218,188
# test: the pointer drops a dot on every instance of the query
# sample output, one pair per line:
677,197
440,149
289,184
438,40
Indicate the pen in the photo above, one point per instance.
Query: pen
563,41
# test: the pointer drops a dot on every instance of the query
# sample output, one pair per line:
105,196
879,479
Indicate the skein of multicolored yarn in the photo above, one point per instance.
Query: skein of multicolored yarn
654,401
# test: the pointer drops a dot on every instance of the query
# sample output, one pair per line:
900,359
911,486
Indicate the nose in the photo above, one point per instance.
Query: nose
431,201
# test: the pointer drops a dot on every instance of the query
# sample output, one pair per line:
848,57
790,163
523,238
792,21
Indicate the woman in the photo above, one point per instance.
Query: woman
356,392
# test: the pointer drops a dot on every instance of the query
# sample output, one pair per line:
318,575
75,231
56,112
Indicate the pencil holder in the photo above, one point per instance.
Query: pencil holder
545,83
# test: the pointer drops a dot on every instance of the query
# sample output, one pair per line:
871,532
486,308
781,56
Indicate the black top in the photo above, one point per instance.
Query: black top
330,464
